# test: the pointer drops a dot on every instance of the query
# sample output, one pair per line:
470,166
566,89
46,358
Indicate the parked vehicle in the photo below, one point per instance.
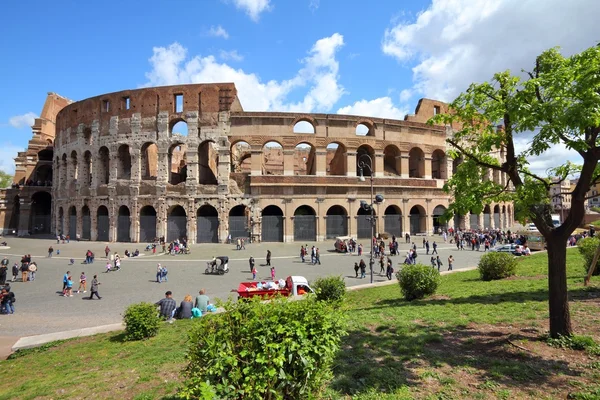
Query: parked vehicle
291,286
341,243
213,268
506,248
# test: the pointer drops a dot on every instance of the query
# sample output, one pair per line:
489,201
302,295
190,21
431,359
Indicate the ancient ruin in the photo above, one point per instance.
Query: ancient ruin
188,161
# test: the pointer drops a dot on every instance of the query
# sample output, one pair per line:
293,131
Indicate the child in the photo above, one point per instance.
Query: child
254,272
69,289
273,273
71,261
108,267
82,283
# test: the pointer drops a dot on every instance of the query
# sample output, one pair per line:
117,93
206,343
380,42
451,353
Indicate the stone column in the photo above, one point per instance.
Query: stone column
134,228
164,169
404,165
93,221
450,223
288,221
79,228
321,162
321,221
136,172
288,162
112,220
379,165
352,226
191,221
351,163
256,161
24,216
480,221
427,161
161,219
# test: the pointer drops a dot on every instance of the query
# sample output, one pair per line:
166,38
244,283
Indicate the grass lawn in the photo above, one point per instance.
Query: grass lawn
473,339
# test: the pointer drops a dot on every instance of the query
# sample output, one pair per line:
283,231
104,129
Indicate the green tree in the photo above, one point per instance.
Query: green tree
557,103
5,179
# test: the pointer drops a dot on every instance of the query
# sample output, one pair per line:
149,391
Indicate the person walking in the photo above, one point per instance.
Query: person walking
272,273
82,283
251,263
106,251
32,270
439,263
69,288
356,268
450,262
24,271
363,268
158,273
94,288
389,270
302,253
381,265
434,248
254,272
427,247
3,270
15,272
317,256
50,251
268,257
238,245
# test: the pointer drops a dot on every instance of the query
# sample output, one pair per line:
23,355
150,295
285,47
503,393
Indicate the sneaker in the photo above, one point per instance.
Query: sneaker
77,291
70,295
99,298
85,291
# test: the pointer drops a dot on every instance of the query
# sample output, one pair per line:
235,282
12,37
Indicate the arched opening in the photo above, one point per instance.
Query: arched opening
86,169
487,217
45,155
103,224
305,224
391,160
148,224
87,135
15,215
474,221
365,154
73,222
208,163
86,223
179,127
74,175
123,224
239,222
123,162
364,130
177,163
41,213
438,165
103,166
177,224
392,221
337,160
455,163
416,163
364,229
272,159
418,223
272,224
149,161
304,127
305,160
336,222
241,156
439,224
207,224
497,216
43,175
49,142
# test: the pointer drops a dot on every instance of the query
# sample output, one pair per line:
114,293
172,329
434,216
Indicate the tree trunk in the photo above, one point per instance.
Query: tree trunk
560,318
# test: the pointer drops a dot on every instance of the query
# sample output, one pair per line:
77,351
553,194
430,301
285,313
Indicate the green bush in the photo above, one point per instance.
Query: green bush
418,281
273,350
141,321
587,247
497,265
331,288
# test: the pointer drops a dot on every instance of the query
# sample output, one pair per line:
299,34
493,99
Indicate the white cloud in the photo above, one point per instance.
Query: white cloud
253,7
230,55
382,107
171,65
456,42
23,121
218,31
313,5
8,152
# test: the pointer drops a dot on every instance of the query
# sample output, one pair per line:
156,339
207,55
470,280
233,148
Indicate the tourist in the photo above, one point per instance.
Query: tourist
268,257
434,248
439,263
251,262
108,267
381,265
302,253
117,263
167,306
313,254
185,308
238,245
202,301
94,288
356,268
363,268
158,273
50,251
450,262
15,272
32,270
389,270
433,264
24,271
272,273
427,247
318,256
69,288
82,283
106,251
3,270
7,301
163,274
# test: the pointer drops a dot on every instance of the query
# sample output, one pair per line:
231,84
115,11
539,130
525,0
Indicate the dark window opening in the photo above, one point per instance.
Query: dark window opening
105,105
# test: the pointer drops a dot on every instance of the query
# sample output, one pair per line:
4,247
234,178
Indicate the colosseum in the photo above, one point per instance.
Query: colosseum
188,161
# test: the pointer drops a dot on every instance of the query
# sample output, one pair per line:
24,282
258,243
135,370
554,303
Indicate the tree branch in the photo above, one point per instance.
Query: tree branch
475,158
534,176
504,189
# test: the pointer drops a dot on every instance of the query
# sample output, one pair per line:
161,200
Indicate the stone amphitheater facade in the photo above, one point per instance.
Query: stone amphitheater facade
188,161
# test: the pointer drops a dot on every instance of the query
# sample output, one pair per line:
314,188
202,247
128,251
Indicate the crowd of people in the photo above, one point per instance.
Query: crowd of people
188,308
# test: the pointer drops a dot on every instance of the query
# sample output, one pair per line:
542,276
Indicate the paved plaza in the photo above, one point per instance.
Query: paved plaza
40,308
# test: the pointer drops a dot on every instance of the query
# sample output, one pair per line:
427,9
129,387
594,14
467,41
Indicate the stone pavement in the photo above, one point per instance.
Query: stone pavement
40,309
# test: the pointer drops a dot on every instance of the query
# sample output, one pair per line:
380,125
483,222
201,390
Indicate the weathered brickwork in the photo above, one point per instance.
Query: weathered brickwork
187,161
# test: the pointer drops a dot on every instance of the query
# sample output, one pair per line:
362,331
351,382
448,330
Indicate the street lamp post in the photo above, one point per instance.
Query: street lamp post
369,207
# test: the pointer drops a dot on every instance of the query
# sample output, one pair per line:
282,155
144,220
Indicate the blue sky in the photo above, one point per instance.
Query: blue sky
331,56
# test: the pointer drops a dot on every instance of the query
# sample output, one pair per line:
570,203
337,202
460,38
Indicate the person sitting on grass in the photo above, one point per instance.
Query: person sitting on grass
167,306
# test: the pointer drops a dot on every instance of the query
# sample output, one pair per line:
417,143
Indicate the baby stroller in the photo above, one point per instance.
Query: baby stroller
221,269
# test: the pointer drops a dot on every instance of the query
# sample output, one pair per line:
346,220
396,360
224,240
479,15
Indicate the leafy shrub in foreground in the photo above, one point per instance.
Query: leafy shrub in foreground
417,281
275,350
496,265
331,288
141,321
587,247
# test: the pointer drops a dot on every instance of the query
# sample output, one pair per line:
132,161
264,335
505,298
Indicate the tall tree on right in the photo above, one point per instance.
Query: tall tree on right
557,104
